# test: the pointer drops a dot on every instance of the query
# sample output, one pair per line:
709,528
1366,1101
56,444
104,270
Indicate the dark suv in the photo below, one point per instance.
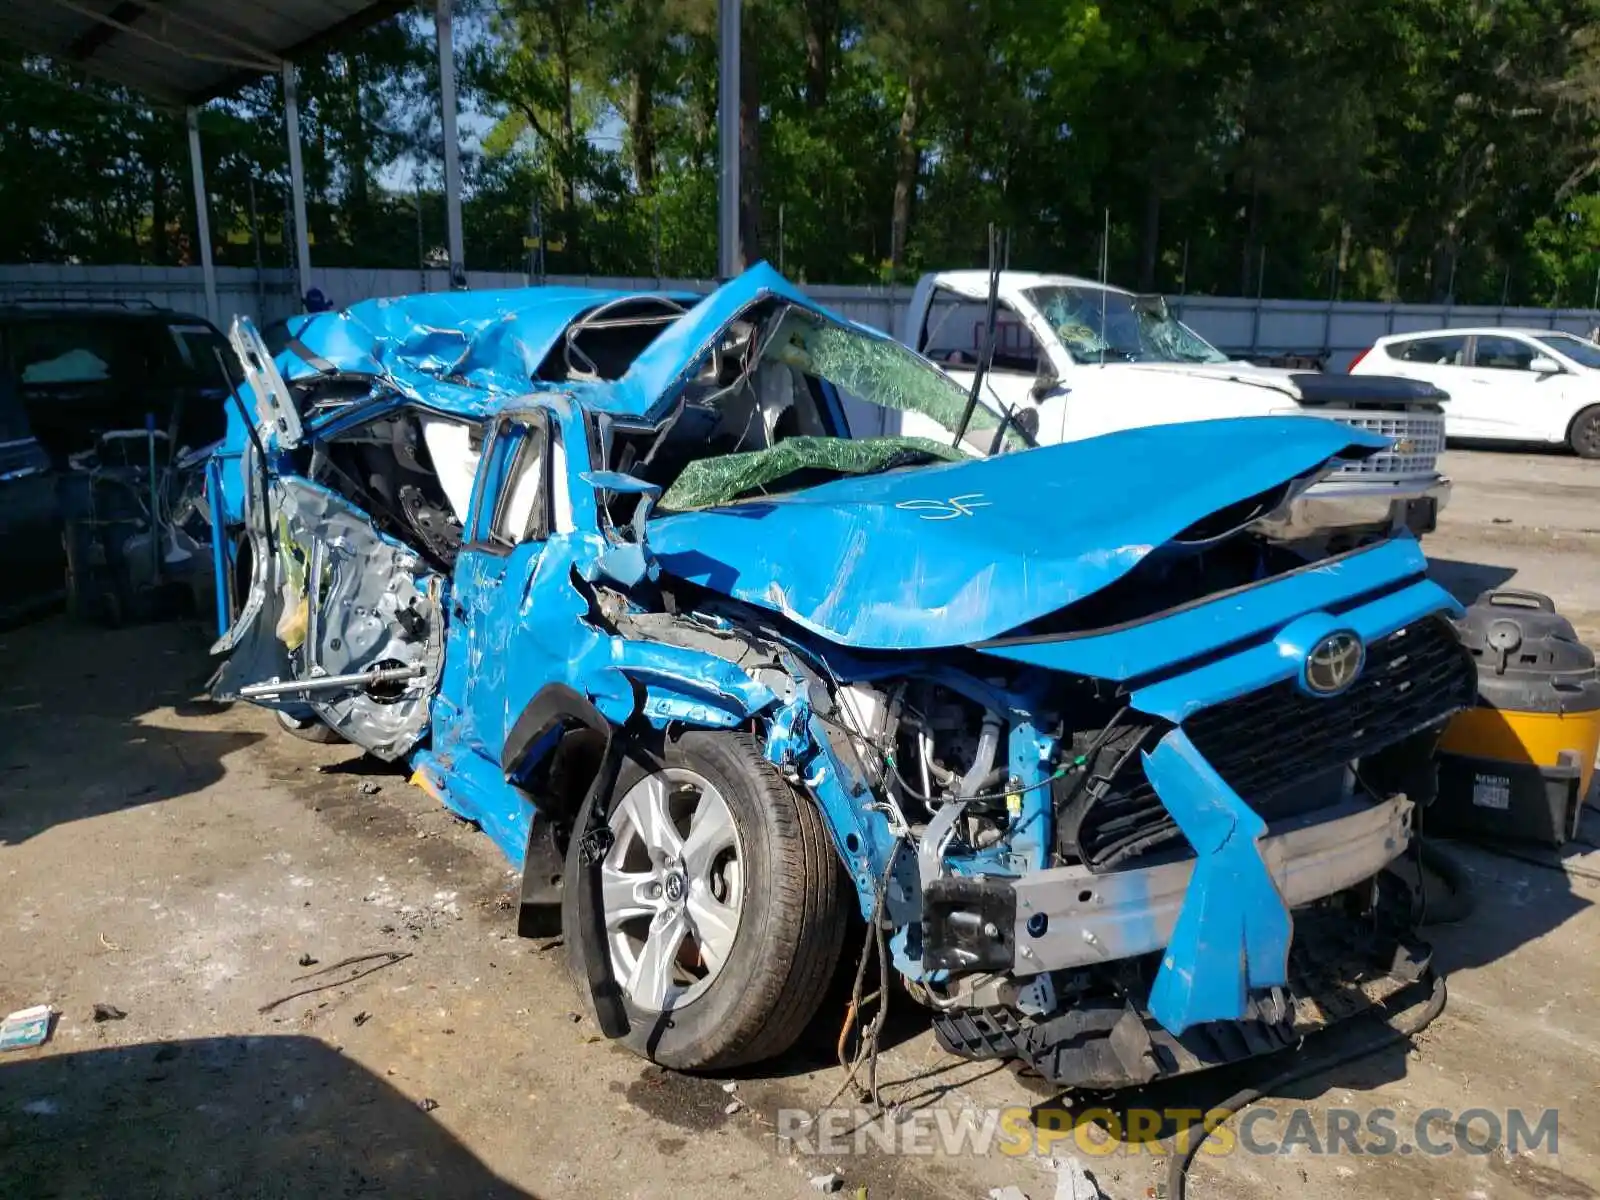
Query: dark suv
70,374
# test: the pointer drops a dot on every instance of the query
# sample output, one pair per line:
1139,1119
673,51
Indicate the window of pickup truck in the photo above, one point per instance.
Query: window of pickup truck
1102,325
953,335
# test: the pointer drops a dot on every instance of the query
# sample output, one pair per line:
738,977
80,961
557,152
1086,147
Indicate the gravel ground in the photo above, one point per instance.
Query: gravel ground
183,862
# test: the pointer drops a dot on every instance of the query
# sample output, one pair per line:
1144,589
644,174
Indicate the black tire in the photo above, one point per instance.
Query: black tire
1584,435
791,928
309,729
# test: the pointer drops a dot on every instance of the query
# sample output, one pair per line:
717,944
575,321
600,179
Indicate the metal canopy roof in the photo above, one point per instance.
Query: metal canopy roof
184,51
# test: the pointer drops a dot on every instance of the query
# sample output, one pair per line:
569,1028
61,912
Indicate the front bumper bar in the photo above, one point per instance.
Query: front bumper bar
1334,505
1339,967
1092,918
1067,917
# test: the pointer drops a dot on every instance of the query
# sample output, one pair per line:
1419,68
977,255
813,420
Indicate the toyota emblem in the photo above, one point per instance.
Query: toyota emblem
1334,663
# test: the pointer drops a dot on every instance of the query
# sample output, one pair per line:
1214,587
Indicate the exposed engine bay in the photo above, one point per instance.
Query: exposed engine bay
1025,951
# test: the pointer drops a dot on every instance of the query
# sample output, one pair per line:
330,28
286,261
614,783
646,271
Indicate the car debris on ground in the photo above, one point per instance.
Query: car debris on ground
27,1027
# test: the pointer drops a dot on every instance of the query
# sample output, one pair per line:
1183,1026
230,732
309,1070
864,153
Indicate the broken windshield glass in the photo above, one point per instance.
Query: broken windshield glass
1098,324
881,372
798,462
753,419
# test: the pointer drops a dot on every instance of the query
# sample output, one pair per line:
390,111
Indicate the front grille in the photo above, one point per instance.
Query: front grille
1422,433
1272,746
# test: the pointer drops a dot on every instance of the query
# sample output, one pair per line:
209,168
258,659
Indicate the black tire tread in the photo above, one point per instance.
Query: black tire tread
813,893
313,731
1587,414
807,917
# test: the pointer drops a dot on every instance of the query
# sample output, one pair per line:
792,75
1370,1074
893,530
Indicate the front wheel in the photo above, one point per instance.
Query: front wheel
1584,436
724,905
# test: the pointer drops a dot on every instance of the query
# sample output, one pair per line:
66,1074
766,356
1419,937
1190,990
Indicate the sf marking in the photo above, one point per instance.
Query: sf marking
945,510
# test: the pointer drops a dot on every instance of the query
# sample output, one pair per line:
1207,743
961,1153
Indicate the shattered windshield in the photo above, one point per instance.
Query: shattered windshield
752,422
1101,325
796,463
880,372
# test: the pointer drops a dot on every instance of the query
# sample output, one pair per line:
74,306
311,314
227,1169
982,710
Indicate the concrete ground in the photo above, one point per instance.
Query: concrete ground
1523,520
193,867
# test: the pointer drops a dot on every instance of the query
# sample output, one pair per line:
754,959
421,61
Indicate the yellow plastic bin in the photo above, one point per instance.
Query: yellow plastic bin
1519,764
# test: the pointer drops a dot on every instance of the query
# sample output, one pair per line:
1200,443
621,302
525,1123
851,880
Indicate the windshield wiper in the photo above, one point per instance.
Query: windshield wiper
986,358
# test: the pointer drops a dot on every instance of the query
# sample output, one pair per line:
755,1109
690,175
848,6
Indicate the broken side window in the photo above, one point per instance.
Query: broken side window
411,472
602,344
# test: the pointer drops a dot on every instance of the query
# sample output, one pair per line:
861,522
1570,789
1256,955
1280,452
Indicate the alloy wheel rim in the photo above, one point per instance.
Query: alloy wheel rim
673,886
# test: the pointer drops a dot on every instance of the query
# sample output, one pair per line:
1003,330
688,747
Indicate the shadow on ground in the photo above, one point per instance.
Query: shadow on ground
1553,449
234,1116
1466,581
74,741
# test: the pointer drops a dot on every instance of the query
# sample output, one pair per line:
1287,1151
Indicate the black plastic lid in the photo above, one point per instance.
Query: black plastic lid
1528,655
1511,632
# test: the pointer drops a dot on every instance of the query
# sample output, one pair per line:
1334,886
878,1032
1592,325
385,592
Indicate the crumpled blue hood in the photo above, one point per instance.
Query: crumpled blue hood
954,554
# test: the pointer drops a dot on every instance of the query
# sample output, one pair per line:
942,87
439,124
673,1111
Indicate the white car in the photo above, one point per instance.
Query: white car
1515,385
1074,359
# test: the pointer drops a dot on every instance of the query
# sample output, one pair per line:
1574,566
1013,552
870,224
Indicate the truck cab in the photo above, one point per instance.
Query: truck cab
1075,359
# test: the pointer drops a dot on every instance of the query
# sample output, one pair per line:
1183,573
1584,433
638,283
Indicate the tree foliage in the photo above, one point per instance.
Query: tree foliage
1379,149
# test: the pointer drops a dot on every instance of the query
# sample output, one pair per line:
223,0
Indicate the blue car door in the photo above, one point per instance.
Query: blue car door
510,520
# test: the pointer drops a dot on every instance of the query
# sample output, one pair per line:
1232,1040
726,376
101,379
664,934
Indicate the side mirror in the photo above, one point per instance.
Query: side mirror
1027,423
1045,382
1543,364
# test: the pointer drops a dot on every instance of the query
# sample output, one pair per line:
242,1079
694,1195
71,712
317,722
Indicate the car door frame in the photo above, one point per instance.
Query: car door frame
1016,388
312,546
1548,410
498,571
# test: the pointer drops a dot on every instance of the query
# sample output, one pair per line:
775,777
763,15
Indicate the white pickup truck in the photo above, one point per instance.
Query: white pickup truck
1074,359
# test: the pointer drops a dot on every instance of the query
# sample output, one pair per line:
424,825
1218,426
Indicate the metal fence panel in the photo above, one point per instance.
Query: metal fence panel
1243,327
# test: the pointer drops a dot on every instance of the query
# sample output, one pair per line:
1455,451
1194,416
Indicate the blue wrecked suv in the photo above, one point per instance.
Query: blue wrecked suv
1112,762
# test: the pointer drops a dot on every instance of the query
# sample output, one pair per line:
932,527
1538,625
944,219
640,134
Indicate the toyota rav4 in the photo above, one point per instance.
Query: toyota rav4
1113,766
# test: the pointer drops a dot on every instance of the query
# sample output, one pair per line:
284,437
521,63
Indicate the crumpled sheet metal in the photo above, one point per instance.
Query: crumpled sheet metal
965,552
486,341
544,630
